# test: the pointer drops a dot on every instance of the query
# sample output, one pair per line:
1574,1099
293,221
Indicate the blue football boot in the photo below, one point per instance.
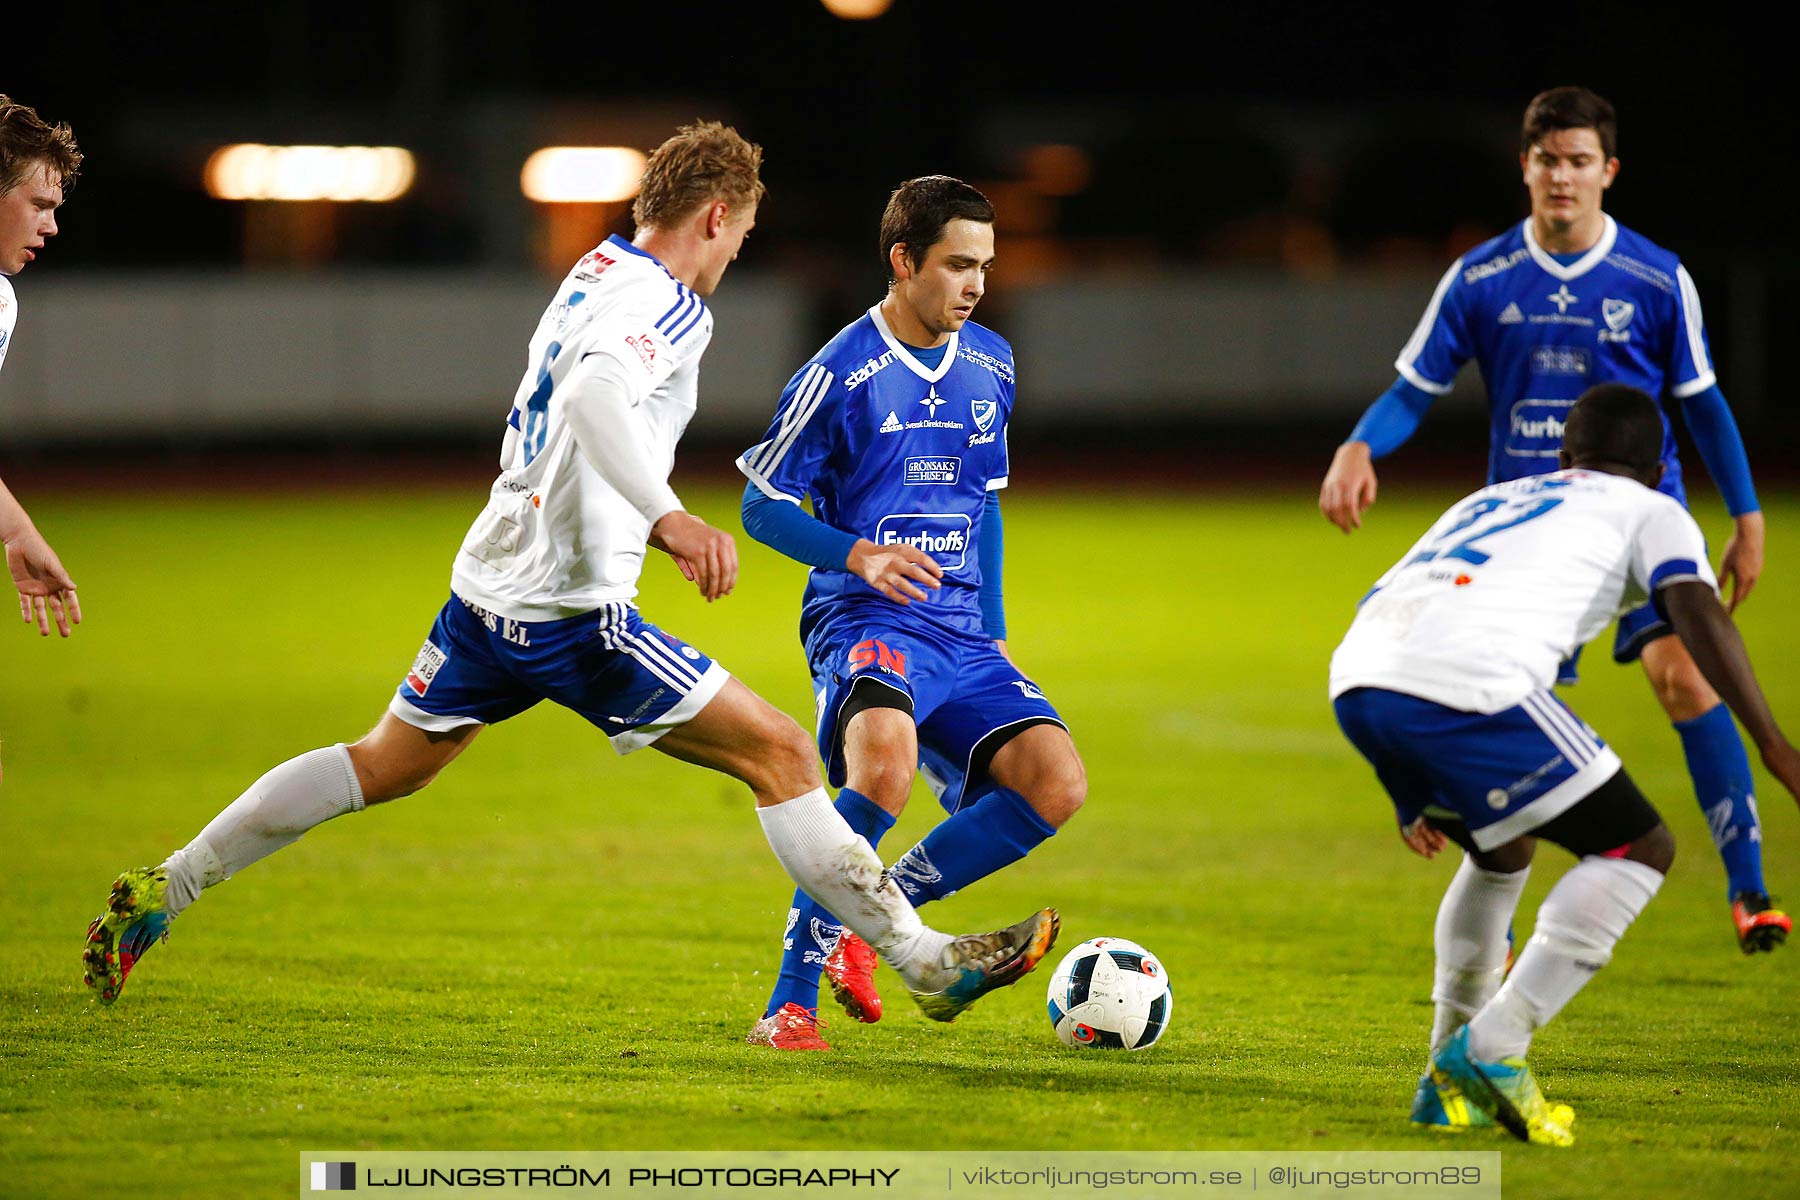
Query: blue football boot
1505,1090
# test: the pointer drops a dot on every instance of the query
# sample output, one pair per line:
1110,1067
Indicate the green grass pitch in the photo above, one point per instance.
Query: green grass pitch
553,948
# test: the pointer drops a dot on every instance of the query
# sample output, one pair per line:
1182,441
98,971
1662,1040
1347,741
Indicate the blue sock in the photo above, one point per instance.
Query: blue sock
1721,772
999,829
812,933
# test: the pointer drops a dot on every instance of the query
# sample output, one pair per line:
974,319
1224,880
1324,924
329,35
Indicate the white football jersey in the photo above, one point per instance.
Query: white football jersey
9,314
556,540
1510,582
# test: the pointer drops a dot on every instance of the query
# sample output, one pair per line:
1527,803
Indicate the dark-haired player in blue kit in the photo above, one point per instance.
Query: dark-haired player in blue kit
1567,299
895,433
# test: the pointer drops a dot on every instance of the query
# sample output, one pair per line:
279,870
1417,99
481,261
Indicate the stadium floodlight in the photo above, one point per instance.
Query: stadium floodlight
857,10
251,171
582,174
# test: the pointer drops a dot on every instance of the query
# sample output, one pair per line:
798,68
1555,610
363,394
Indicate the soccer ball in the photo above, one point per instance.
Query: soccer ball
1110,992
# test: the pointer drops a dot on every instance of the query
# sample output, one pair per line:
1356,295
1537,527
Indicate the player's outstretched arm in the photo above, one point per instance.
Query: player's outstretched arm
707,557
897,572
1721,447
1349,486
598,400
45,590
1742,562
1718,650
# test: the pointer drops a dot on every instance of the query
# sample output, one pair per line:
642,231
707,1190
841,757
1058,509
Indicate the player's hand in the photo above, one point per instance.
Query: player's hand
45,589
900,572
1000,645
1783,762
1742,561
1349,486
707,557
1423,838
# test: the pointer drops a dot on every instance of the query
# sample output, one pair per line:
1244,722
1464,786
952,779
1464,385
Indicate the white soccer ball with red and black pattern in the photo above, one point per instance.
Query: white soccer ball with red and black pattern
1111,993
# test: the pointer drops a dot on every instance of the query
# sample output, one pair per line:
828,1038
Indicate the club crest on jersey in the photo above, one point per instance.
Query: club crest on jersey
425,668
1618,314
983,411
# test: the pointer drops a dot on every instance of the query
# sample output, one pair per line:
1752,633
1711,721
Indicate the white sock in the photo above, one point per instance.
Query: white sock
274,812
838,869
1471,944
1580,922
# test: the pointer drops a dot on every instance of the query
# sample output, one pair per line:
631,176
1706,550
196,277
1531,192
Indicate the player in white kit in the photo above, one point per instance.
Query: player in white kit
541,603
1444,684
1566,299
38,162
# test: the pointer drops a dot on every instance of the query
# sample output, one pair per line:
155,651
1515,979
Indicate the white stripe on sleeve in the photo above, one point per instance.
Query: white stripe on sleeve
1415,345
1696,337
805,403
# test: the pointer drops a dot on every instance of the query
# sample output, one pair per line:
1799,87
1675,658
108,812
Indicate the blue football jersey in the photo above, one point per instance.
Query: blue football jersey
890,450
1543,333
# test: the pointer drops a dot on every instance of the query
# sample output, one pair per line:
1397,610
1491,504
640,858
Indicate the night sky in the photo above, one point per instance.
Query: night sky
846,109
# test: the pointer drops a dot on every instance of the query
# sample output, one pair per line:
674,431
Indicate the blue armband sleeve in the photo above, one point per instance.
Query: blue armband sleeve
1721,448
1392,419
793,531
991,556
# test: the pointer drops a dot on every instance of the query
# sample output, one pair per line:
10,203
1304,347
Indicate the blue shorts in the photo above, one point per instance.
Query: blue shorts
1637,629
1501,774
963,693
622,673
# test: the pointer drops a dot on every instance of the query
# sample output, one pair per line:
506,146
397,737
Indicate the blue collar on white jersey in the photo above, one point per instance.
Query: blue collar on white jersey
621,243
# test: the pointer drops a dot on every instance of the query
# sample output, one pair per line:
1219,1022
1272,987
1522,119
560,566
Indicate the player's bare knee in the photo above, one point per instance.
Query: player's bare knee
882,771
881,753
1043,766
1507,859
786,760
1681,690
885,780
1060,795
1655,849
384,776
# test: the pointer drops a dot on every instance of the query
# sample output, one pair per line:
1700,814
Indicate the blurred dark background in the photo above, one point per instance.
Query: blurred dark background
1252,162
